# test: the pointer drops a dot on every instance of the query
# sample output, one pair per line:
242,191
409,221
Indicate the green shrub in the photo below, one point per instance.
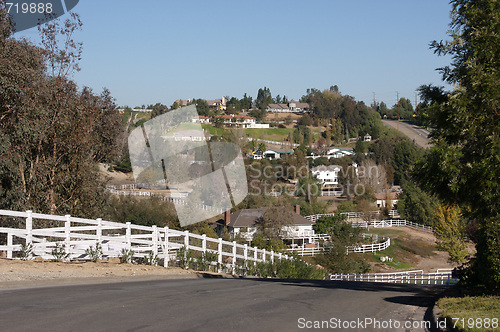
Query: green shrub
59,252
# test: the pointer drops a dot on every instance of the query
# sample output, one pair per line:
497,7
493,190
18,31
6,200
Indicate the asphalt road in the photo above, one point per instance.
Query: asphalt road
414,132
215,304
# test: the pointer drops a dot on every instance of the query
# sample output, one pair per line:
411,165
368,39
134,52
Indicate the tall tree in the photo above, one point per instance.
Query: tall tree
263,99
463,164
51,134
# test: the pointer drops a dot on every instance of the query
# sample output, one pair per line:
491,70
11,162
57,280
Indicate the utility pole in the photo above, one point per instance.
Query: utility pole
415,103
397,98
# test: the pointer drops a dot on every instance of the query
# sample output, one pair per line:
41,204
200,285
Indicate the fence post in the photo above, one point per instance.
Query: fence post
255,253
264,255
245,252
9,244
234,256
272,256
99,230
167,257
219,254
67,233
29,227
204,243
186,239
128,236
155,240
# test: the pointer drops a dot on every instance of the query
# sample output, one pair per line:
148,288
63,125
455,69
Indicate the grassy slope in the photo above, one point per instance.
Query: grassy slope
474,310
403,249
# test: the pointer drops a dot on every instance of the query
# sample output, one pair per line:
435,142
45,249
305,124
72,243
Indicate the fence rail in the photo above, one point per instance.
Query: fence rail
405,277
79,234
374,247
351,215
393,223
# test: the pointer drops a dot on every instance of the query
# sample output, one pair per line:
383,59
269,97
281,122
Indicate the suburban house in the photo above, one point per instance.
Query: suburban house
327,174
333,153
244,222
192,135
276,153
290,107
218,104
230,120
382,199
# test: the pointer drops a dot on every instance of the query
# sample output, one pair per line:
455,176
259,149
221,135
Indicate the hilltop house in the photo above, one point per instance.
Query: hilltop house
244,222
327,174
290,107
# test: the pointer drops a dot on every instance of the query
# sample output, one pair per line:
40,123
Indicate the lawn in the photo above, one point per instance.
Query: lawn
471,313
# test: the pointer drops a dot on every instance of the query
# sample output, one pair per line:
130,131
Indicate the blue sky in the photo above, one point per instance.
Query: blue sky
153,51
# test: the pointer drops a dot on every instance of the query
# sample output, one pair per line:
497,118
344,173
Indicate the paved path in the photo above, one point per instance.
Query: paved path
414,132
215,304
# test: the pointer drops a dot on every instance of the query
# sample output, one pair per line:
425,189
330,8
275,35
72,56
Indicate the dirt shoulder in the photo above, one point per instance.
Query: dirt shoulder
36,273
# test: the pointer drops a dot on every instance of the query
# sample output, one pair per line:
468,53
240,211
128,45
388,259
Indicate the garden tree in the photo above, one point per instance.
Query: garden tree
277,99
263,99
326,224
416,205
305,120
373,125
336,130
52,135
462,167
450,232
361,147
284,100
148,212
246,102
404,156
348,180
372,175
309,187
261,242
320,148
405,109
158,109
201,106
275,221
335,257
175,106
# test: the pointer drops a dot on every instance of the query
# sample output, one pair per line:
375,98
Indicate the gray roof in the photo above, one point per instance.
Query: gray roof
248,218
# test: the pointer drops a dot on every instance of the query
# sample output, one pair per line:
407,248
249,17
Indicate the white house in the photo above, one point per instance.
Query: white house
338,153
382,199
245,223
367,138
327,174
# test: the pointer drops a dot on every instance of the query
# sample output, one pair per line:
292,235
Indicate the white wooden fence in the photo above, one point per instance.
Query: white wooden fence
404,277
393,223
78,234
350,215
374,247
